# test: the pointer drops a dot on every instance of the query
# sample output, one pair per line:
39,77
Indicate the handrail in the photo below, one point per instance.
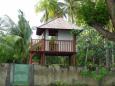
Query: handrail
52,46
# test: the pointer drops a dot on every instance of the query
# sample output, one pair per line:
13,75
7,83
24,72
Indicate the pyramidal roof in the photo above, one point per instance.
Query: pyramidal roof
58,23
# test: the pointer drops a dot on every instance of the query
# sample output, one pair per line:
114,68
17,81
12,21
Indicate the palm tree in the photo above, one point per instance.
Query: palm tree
24,31
69,7
50,8
17,37
7,41
7,47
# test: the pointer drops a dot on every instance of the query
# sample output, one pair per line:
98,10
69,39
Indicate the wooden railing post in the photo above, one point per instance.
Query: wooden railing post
31,44
74,43
43,58
73,57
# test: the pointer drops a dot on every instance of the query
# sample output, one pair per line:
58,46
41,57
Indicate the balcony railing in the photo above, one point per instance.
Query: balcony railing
52,46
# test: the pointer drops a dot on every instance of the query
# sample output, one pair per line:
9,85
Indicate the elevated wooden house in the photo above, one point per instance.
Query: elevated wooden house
56,40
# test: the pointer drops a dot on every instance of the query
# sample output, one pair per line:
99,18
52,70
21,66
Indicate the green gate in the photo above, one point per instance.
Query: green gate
20,75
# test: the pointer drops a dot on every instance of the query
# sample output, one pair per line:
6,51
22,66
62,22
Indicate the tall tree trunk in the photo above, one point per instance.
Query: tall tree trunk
86,56
107,34
101,29
112,52
106,53
111,9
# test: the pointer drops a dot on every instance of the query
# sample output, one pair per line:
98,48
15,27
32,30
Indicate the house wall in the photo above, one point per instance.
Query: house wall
64,35
47,35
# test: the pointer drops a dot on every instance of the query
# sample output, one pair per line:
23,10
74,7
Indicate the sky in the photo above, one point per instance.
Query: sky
11,7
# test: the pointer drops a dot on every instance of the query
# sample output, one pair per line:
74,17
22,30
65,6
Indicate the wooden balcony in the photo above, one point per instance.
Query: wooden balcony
39,45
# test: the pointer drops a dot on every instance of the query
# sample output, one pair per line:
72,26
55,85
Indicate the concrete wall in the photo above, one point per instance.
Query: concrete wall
109,80
47,75
3,74
44,76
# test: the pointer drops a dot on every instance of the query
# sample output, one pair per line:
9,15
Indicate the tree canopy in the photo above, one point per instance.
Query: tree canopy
50,8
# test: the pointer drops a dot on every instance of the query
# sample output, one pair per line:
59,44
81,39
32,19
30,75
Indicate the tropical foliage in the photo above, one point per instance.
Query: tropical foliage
96,17
94,46
93,12
15,38
50,8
